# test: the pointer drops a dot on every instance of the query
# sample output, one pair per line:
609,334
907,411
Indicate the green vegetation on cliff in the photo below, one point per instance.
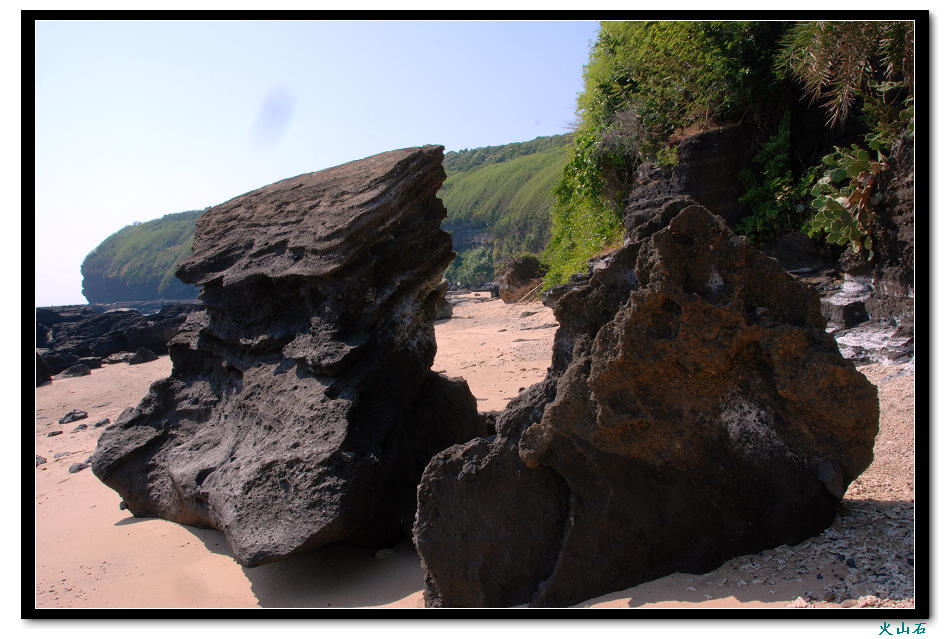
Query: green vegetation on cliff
138,262
649,84
498,201
644,82
497,197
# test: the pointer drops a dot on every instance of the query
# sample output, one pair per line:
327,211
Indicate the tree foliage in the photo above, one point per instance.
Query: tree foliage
841,64
644,82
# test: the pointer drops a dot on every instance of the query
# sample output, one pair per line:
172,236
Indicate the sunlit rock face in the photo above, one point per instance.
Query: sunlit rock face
301,408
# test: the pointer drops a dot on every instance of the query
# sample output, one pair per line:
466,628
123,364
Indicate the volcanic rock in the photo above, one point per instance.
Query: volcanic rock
707,170
519,277
43,371
443,308
892,234
91,362
141,356
81,332
302,408
73,416
76,370
695,410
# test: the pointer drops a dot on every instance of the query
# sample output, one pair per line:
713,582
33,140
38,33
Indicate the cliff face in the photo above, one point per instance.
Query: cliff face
138,262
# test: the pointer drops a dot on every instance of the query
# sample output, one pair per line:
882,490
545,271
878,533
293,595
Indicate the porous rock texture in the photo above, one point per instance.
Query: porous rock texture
301,408
695,410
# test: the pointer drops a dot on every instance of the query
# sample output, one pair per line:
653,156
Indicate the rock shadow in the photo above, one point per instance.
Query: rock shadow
338,576
868,550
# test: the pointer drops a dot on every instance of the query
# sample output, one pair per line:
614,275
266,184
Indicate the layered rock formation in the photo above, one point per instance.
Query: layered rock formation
695,410
707,170
301,409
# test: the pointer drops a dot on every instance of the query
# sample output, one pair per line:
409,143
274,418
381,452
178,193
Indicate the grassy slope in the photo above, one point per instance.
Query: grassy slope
507,199
502,191
138,262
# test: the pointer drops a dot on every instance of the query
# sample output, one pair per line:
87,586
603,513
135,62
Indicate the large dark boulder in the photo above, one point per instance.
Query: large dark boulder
695,410
82,332
302,408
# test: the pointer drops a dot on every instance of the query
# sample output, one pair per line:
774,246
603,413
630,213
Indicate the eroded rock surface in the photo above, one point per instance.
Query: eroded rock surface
301,409
695,410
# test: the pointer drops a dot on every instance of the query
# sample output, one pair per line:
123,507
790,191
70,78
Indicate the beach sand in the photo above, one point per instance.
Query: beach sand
91,554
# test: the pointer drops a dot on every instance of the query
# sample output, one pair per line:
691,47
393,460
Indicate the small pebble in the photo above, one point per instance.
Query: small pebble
80,427
101,423
58,455
40,460
122,505
54,433
75,468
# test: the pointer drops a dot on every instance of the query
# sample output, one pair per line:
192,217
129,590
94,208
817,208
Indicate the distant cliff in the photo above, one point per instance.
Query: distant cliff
138,262
497,199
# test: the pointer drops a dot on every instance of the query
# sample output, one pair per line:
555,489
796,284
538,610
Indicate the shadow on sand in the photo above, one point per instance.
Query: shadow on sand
335,576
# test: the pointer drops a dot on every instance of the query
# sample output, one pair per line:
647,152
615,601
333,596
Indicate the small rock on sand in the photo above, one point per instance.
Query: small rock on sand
73,416
75,468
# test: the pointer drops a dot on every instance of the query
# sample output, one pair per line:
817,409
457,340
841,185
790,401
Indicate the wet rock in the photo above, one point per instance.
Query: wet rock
73,416
301,409
695,410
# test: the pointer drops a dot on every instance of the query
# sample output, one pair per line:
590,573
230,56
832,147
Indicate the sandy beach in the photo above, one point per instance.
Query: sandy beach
91,554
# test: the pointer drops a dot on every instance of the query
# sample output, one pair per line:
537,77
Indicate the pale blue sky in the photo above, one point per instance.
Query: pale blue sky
138,119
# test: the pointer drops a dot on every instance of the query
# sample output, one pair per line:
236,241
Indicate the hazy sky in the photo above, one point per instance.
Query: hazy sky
138,119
